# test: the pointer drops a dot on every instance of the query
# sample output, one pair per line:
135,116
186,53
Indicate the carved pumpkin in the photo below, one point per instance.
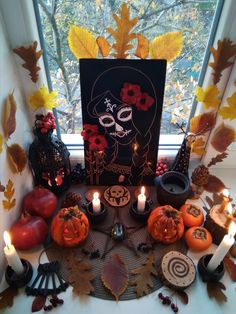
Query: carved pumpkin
165,224
69,227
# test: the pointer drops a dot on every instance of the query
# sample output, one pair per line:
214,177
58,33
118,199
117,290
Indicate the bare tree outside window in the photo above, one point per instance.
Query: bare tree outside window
156,17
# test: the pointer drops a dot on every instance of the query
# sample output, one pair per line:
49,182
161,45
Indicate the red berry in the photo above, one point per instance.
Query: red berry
161,172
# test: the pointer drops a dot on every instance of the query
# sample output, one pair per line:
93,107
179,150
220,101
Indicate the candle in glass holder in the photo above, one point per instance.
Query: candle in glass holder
12,257
223,248
225,201
96,203
141,200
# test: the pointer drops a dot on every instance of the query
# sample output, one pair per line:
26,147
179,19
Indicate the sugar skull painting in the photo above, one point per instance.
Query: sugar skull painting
121,107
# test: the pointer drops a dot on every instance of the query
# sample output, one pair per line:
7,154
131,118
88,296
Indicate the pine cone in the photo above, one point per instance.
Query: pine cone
72,199
200,175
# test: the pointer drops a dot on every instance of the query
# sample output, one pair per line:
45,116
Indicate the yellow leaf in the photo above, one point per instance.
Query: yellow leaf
82,43
142,48
9,116
167,46
209,97
16,157
104,46
9,201
198,146
229,112
1,142
43,99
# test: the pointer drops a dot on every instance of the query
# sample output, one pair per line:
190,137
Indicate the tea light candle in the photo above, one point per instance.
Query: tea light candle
222,249
225,201
11,255
96,203
141,200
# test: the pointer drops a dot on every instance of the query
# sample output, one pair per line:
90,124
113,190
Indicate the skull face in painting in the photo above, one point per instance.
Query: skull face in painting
117,195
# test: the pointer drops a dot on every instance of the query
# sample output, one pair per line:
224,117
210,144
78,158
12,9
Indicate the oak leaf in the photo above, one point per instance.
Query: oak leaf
143,281
43,99
17,158
167,46
104,46
38,303
9,116
198,146
122,34
115,276
222,137
82,43
7,297
9,201
142,49
202,123
31,57
214,184
80,275
209,97
1,142
218,158
225,50
214,290
229,112
231,268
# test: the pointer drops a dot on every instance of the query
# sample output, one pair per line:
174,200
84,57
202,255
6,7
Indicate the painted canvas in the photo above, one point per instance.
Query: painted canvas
121,109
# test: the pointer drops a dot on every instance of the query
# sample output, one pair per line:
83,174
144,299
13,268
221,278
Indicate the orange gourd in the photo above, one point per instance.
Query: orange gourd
165,224
69,227
192,215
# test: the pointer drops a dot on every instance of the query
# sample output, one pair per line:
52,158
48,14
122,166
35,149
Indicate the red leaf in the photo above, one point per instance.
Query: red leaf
38,303
214,185
183,296
231,268
115,276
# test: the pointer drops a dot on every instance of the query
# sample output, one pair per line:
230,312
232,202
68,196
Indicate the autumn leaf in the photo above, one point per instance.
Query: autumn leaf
231,268
202,123
31,57
143,281
214,184
38,303
82,43
114,276
43,99
209,97
183,296
218,158
167,46
7,297
1,142
229,112
104,46
214,290
142,49
9,201
225,50
17,158
122,34
9,116
223,136
217,199
198,146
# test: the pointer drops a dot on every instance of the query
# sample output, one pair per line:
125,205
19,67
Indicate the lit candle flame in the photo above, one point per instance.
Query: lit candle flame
7,238
142,190
95,195
225,192
232,229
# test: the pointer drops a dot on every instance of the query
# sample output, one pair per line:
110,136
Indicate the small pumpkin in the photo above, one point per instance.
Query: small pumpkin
69,227
165,224
192,215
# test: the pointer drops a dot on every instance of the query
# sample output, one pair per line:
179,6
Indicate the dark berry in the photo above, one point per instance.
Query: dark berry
164,300
49,307
176,310
160,295
173,306
60,301
168,301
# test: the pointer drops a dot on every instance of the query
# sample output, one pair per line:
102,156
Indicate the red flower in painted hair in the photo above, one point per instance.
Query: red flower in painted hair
144,102
89,130
129,93
97,142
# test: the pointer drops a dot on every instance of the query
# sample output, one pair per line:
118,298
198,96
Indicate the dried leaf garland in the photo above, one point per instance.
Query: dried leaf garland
17,158
218,158
1,142
9,201
114,276
229,112
82,43
122,34
38,303
202,123
142,49
81,276
209,97
7,297
214,290
143,281
231,268
9,116
225,50
31,57
198,146
104,46
214,184
223,136
167,46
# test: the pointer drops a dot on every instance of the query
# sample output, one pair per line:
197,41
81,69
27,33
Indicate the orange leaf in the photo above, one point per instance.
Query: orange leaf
142,48
223,136
214,184
9,116
198,146
104,46
17,158
229,112
202,123
9,201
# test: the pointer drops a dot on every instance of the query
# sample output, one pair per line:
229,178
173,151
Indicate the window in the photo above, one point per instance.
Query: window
193,18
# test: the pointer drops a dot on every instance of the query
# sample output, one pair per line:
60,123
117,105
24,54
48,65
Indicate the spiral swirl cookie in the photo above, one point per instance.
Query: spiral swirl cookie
177,270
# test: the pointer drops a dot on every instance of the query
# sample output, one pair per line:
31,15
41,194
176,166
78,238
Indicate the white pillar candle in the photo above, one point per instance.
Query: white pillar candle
222,249
96,203
141,200
12,257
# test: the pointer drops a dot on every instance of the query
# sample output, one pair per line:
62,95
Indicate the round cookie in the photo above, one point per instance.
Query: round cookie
117,196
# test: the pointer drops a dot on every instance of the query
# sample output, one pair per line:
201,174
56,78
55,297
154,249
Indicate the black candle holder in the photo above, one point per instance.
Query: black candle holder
95,217
138,215
17,281
206,275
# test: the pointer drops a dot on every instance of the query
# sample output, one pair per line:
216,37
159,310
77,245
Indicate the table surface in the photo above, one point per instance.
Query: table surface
198,297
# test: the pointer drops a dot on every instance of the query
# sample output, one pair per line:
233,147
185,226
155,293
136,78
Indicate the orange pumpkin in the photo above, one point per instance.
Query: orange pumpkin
165,224
192,215
198,238
69,227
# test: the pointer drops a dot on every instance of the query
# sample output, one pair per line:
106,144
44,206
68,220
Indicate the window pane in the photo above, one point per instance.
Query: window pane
193,18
